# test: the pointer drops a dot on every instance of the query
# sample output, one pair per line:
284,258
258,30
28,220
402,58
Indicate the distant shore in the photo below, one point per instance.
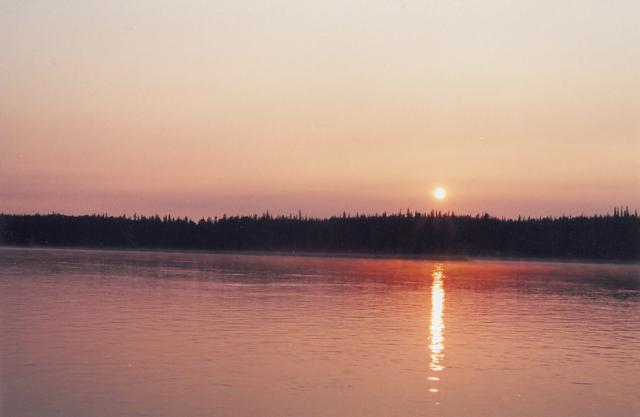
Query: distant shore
434,235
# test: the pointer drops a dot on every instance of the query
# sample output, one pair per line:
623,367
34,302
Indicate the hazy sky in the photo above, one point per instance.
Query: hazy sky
204,107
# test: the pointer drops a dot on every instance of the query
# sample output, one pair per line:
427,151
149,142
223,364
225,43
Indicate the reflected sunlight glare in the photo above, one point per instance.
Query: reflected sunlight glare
437,322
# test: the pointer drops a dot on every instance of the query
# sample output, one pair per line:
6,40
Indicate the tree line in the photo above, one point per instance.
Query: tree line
601,237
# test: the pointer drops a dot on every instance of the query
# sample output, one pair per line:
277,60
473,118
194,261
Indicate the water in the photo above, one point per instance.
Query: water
108,333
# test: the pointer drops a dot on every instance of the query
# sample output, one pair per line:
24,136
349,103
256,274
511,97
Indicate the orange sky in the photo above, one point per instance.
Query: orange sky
201,108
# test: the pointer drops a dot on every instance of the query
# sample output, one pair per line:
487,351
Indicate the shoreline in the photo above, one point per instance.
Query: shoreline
335,255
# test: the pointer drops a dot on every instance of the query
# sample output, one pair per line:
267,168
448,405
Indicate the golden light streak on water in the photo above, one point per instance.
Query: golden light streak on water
436,327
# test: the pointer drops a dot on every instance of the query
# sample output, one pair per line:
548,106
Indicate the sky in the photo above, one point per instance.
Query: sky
199,108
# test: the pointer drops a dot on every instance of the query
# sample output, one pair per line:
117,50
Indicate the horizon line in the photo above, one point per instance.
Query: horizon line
617,211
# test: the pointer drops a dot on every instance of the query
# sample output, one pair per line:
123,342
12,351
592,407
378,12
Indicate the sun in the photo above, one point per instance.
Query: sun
440,193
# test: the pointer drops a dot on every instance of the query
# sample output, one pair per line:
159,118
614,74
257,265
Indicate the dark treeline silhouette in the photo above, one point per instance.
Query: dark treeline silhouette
601,237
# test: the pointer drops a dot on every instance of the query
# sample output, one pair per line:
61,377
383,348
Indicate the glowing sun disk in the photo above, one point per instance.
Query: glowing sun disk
440,193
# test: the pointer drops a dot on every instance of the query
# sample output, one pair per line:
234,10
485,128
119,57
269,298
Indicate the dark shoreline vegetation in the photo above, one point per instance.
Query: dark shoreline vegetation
602,237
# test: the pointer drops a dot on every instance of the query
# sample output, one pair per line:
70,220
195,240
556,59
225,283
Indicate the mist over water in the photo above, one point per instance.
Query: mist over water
113,333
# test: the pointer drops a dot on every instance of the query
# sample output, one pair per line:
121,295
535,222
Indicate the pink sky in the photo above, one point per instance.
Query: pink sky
205,108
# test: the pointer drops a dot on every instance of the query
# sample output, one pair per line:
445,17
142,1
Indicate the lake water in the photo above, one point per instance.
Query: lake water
112,333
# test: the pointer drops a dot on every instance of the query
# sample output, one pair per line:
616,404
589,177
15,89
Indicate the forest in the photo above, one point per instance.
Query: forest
613,236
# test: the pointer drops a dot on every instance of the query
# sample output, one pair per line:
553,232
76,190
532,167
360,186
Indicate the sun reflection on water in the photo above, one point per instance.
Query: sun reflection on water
436,327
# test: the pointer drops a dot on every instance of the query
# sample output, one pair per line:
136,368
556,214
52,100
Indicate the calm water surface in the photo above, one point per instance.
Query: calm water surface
107,333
